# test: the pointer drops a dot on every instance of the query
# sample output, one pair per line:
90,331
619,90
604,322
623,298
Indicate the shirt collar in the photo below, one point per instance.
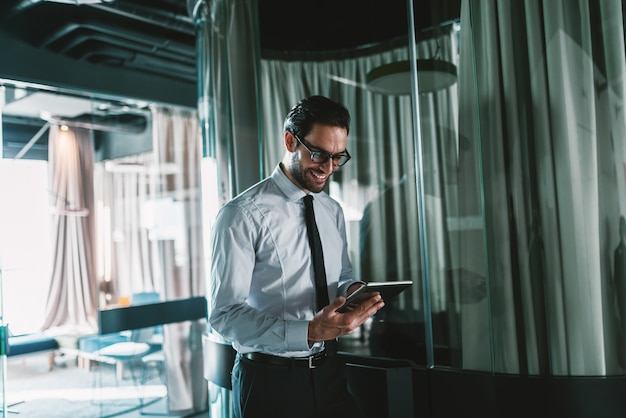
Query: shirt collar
293,192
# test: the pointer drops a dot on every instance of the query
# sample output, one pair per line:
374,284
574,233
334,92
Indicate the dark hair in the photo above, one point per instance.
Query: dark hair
316,109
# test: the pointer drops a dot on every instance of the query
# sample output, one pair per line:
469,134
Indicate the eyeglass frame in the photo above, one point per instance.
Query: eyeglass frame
329,156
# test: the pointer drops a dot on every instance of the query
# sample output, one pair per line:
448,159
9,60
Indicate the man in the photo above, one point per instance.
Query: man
263,296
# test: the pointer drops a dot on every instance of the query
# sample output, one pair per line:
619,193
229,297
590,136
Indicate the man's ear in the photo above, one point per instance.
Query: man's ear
290,141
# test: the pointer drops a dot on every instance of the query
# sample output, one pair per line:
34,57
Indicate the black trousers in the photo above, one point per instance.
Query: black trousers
266,390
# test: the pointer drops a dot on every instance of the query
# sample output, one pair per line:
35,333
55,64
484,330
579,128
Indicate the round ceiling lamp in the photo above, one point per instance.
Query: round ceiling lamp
395,78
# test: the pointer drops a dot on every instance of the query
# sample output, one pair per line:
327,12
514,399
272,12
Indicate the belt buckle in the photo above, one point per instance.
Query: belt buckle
314,359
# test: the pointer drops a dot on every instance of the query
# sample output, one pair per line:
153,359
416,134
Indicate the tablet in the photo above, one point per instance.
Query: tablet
386,289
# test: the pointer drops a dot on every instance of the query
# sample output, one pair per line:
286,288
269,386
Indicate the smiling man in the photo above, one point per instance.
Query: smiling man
263,287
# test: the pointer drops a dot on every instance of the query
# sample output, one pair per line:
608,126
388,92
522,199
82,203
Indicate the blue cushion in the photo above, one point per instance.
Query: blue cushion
31,343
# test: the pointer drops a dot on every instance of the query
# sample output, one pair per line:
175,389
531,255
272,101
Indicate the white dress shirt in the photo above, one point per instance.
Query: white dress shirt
262,281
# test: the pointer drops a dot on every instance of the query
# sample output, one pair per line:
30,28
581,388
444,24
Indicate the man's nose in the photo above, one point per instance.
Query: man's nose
328,166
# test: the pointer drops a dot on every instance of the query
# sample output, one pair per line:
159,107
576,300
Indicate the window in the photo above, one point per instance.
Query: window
24,243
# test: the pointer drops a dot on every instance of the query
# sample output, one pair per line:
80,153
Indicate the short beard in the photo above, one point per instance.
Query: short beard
295,167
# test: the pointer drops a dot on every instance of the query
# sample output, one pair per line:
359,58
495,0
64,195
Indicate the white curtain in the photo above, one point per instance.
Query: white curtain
177,142
149,208
125,264
543,105
150,214
72,303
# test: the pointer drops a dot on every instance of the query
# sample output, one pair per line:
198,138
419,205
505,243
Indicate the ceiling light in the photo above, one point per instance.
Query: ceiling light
395,78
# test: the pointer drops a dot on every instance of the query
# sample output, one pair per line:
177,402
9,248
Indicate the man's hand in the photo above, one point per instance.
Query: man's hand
328,324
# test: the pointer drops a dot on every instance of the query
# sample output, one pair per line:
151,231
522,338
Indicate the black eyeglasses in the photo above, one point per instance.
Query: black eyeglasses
320,157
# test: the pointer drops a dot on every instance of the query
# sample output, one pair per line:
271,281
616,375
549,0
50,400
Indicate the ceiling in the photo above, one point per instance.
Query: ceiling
124,48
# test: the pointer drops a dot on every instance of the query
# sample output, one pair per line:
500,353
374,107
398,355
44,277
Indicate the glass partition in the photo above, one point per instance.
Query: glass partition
149,209
105,196
543,107
408,218
500,194
514,215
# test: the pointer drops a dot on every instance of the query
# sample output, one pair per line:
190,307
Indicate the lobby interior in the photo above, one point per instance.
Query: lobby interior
487,167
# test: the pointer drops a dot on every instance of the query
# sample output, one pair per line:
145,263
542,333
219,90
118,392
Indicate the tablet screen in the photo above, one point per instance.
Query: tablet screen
386,289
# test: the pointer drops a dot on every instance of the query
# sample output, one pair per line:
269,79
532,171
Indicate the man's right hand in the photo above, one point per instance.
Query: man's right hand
328,324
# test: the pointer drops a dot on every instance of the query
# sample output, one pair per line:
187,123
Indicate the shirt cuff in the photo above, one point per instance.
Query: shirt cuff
297,336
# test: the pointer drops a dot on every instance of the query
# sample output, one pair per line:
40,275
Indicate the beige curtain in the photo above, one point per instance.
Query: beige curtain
124,263
177,141
150,212
72,299
149,209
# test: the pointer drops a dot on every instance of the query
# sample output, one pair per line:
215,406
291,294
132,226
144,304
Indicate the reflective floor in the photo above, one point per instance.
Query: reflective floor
68,390
33,391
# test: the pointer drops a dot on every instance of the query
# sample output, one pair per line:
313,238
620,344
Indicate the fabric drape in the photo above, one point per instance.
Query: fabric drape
548,82
177,141
72,302
152,239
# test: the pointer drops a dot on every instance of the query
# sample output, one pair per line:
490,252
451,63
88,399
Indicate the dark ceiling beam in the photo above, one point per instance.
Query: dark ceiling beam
66,38
44,68
154,16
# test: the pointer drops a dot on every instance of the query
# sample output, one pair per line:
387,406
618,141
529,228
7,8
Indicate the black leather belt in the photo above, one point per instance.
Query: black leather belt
311,361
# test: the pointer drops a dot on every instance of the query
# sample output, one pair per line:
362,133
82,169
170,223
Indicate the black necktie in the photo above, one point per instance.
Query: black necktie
321,288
